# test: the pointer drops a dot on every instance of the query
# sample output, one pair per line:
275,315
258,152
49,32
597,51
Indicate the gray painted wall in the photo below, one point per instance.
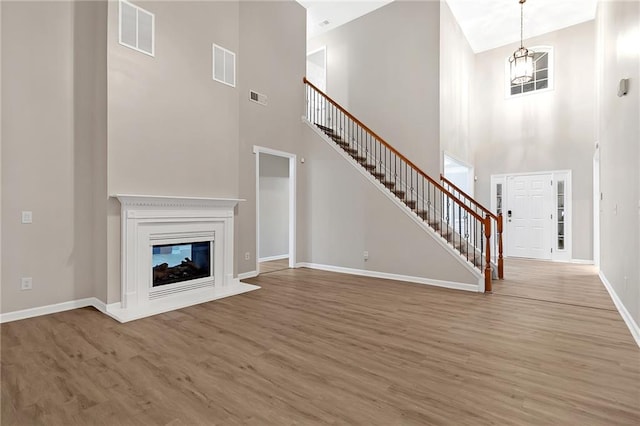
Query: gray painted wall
457,71
54,108
384,68
172,129
544,131
619,135
274,206
348,215
272,62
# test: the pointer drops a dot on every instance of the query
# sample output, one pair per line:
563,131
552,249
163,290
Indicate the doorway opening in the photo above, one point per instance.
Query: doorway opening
275,209
461,175
317,75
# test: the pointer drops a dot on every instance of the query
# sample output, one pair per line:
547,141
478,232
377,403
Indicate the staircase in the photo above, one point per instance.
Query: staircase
462,222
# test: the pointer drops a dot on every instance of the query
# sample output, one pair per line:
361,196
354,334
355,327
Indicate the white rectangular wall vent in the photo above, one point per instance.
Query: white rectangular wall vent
136,28
258,97
224,66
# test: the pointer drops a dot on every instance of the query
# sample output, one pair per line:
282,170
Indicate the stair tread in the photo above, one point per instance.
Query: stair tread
462,246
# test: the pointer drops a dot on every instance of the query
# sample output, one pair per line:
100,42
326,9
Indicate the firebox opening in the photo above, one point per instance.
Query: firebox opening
174,263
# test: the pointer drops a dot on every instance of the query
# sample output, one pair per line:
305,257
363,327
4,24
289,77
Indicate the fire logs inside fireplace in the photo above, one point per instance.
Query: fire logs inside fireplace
186,270
181,262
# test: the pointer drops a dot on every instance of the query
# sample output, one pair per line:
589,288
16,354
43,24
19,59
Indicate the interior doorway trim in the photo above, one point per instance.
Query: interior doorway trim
257,150
596,206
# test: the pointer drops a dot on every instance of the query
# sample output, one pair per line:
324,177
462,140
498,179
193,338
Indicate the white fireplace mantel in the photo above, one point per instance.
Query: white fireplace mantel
146,219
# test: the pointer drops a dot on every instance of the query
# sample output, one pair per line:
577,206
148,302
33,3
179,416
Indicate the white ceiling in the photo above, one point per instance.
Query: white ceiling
336,12
492,23
486,23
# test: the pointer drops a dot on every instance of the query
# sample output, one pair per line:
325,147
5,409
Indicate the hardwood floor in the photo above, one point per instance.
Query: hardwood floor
315,347
274,265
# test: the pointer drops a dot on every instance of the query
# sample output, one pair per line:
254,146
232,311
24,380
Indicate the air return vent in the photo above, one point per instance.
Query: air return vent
224,65
136,28
258,98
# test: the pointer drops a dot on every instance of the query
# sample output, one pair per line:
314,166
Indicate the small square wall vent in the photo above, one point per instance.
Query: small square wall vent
258,98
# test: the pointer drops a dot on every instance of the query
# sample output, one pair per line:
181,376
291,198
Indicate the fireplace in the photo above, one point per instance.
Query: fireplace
175,263
176,252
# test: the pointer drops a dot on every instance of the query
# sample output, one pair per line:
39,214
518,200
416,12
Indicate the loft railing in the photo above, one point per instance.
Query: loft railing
467,231
481,210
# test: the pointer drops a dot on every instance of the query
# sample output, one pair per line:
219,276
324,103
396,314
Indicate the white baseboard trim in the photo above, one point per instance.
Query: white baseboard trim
385,275
582,261
115,311
270,258
626,316
245,275
50,309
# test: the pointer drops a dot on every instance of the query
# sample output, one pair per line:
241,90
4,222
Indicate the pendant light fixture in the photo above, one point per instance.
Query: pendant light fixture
521,62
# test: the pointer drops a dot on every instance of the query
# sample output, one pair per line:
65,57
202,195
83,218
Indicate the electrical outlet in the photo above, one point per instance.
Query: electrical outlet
247,256
26,283
366,255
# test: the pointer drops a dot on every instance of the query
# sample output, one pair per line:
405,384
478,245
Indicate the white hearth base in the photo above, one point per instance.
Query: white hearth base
180,301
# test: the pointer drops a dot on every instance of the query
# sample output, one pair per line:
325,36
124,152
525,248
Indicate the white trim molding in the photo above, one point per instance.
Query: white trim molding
626,316
49,309
115,311
271,258
582,261
293,161
245,275
479,288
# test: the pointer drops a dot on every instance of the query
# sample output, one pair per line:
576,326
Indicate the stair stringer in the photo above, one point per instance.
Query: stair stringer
478,280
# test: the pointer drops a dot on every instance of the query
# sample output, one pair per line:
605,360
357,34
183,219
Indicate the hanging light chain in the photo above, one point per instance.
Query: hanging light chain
521,23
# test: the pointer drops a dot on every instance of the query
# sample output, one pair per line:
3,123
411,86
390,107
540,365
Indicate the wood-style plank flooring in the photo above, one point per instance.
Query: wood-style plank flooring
315,347
274,265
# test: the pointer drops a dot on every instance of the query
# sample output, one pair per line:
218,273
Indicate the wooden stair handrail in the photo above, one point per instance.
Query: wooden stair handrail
395,151
468,197
486,211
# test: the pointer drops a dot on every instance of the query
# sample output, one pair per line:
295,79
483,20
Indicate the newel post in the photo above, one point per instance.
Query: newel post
487,265
500,259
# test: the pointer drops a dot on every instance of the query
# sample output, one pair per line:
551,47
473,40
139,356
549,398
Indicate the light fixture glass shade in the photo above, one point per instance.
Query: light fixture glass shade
521,63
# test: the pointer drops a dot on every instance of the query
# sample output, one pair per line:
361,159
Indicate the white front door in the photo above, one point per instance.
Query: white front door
529,216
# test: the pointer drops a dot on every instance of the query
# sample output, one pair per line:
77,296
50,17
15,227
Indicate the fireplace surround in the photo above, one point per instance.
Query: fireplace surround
155,232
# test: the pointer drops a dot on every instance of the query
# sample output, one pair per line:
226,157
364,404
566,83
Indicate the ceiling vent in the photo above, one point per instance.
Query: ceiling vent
324,23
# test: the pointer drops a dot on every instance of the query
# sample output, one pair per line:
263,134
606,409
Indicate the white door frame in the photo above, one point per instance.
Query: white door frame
257,150
596,206
564,255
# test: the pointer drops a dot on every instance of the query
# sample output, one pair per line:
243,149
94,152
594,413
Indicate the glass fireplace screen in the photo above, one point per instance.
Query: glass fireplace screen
173,263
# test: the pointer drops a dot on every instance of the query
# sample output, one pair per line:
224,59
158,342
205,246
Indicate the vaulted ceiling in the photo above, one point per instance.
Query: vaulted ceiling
486,23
